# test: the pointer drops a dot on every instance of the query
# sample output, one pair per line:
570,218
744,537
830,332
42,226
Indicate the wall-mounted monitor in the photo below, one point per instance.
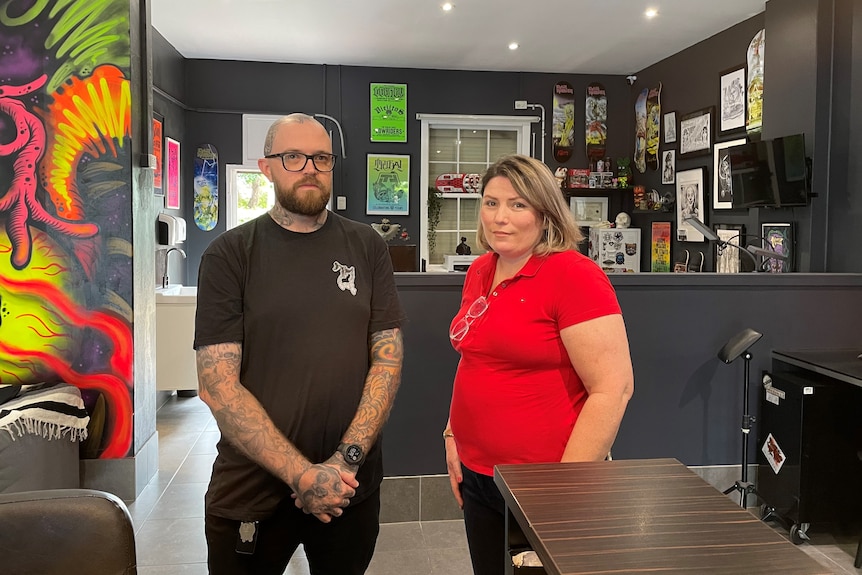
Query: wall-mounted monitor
770,173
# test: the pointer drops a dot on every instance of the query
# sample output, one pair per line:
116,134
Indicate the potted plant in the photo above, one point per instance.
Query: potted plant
435,205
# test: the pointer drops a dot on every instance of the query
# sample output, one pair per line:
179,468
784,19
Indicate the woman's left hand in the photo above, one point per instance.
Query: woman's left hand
453,466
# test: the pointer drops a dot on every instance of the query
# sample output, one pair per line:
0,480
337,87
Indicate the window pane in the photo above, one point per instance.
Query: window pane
469,213
474,145
502,143
437,168
449,215
443,145
254,195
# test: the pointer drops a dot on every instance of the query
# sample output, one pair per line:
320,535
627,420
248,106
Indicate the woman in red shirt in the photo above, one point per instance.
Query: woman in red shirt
545,373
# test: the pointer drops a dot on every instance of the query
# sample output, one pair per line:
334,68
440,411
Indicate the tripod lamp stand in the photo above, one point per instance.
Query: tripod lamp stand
738,346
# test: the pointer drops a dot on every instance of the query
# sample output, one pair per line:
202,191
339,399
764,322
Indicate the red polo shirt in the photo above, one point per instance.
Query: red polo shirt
516,396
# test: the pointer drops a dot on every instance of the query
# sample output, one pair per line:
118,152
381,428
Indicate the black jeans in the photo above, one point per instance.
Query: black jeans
484,520
343,546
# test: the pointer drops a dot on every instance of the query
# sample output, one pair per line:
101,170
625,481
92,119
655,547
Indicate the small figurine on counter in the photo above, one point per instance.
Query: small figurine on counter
463,249
623,220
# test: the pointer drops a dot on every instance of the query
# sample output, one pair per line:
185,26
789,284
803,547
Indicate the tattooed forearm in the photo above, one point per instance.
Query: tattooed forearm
381,385
240,417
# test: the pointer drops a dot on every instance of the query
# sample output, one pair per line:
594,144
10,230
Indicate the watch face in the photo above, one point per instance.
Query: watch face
353,453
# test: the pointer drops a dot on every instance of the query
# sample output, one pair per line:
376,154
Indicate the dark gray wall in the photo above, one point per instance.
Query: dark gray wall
687,403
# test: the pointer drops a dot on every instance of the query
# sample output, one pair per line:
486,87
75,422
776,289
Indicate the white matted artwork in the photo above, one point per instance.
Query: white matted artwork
668,166
727,251
722,186
589,211
689,204
670,127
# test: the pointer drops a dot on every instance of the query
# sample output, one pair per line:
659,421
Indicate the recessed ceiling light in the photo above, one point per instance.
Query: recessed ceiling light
447,6
513,46
651,13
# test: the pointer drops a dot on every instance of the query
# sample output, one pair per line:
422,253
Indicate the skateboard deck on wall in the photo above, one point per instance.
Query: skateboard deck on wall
596,122
653,125
563,126
640,131
206,187
755,56
458,183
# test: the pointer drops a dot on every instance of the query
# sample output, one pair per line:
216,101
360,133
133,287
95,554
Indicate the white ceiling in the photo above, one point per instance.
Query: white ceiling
560,36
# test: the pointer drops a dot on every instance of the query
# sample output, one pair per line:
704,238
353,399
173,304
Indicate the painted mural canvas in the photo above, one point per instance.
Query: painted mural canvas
66,274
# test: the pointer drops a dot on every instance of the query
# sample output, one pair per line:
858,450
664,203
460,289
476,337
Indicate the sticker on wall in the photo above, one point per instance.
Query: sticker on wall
206,187
756,53
773,453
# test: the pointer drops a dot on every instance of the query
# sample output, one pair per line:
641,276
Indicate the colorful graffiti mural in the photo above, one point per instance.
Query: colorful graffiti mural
65,203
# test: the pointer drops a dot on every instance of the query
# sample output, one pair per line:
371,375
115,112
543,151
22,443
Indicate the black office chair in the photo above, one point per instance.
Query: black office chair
66,532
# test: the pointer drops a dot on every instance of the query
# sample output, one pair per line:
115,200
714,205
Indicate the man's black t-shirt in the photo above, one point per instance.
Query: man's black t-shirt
303,306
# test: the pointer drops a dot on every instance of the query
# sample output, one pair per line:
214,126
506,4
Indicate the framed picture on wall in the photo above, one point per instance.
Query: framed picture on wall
669,121
388,185
158,126
589,211
722,186
668,167
728,257
780,239
731,97
172,174
695,132
689,204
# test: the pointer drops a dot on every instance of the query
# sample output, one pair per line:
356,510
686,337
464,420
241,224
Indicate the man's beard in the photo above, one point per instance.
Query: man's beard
308,203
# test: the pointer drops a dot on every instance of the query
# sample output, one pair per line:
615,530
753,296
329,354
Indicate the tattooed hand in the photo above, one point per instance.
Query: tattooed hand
324,489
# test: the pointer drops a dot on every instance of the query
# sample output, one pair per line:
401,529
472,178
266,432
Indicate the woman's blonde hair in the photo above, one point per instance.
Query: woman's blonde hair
535,183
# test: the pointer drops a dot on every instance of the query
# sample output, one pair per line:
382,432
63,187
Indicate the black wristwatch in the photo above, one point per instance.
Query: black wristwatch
352,453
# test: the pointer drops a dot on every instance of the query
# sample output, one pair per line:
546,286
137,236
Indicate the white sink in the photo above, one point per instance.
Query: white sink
176,290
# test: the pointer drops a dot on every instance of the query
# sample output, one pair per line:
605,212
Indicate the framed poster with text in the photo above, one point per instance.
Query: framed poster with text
158,123
388,112
660,248
388,185
172,174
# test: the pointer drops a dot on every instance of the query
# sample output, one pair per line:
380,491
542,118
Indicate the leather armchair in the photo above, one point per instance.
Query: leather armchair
66,531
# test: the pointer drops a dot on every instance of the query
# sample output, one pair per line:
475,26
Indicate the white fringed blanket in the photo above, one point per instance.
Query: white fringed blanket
53,411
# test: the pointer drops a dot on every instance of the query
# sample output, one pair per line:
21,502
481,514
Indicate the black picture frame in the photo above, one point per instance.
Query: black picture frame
157,152
779,237
731,101
730,260
695,132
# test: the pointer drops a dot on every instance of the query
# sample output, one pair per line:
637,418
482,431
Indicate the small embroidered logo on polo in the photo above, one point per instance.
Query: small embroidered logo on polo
346,277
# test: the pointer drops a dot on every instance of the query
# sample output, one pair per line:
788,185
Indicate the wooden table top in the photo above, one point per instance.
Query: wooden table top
639,516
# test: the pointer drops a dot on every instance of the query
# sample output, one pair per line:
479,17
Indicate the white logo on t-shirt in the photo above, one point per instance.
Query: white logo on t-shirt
346,277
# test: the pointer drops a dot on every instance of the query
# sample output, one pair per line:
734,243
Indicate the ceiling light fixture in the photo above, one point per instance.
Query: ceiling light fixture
513,46
447,6
651,13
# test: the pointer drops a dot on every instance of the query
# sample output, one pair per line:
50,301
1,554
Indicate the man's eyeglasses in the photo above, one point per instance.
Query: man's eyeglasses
296,161
462,326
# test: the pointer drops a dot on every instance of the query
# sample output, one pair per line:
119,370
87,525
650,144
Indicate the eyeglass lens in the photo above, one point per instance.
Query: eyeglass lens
462,326
296,161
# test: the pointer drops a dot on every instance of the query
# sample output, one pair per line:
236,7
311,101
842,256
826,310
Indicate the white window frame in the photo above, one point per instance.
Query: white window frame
519,124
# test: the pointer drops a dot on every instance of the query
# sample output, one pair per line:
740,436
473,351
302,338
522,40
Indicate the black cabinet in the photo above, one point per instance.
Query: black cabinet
810,445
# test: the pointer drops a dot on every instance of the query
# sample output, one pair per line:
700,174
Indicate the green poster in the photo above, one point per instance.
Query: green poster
388,112
388,185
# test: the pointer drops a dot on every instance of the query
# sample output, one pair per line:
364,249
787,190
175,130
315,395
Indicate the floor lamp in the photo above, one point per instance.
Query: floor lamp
738,346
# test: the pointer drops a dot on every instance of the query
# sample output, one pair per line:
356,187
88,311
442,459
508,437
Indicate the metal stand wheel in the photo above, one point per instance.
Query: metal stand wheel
799,533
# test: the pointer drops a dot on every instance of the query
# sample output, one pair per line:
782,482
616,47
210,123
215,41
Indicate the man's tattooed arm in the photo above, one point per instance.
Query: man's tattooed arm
323,489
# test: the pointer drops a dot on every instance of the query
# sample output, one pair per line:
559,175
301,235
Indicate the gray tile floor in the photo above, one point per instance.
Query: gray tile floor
168,515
